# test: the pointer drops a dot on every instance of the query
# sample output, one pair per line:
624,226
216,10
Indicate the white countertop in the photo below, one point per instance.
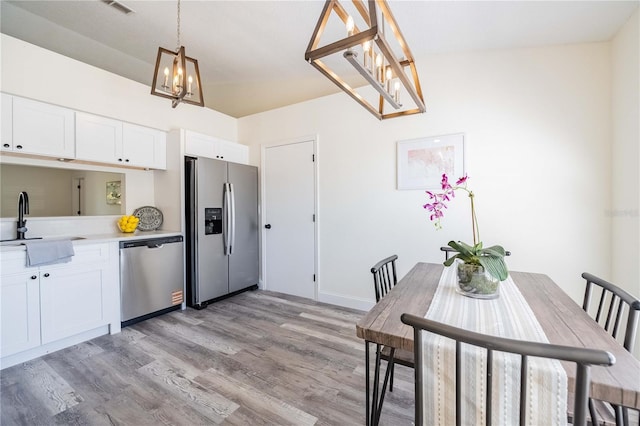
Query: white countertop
93,238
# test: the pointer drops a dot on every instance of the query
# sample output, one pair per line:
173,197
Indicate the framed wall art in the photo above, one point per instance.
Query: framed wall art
421,162
114,195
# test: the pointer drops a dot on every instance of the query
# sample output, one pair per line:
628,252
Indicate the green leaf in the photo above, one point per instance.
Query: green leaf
495,266
450,260
495,251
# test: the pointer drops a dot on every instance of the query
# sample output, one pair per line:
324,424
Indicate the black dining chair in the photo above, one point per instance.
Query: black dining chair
612,306
582,357
384,279
448,250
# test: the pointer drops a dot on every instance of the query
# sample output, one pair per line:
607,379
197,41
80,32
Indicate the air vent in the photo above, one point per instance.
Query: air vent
119,6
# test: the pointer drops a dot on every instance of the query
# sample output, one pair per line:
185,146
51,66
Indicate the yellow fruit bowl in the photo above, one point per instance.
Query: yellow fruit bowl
128,224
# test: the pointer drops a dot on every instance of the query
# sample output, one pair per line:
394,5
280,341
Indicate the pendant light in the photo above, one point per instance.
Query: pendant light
177,76
380,57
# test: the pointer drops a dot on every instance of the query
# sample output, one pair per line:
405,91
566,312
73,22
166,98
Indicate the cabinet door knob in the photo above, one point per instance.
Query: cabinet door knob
19,146
46,275
6,145
126,161
33,277
120,160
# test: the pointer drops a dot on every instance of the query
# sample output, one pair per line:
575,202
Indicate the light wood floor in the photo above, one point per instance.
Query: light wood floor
256,358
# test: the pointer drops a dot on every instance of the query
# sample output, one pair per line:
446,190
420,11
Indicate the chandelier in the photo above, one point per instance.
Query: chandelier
375,47
177,76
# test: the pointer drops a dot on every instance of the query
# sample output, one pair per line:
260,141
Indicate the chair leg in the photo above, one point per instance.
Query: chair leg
620,420
392,367
592,413
378,409
625,416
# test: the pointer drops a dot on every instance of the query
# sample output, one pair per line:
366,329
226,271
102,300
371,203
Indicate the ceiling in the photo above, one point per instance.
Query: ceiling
251,53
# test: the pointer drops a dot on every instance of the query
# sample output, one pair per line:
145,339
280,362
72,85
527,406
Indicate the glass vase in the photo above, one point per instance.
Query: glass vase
474,281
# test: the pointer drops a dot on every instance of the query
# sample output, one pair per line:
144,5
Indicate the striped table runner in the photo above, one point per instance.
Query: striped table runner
507,316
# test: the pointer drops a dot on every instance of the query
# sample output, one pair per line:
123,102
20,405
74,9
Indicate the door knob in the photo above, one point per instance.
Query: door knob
268,226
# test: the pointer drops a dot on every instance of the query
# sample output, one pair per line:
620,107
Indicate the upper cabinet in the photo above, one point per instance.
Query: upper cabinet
37,128
144,146
98,138
106,140
200,145
6,141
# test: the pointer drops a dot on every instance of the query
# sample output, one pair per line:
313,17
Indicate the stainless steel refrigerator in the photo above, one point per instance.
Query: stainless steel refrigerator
221,201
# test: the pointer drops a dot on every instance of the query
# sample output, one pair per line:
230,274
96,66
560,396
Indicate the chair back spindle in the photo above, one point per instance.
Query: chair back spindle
582,357
384,276
614,303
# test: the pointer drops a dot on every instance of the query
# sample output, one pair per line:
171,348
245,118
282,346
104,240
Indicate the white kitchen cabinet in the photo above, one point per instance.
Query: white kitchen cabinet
41,129
144,147
20,312
106,140
7,122
200,145
43,306
71,301
98,138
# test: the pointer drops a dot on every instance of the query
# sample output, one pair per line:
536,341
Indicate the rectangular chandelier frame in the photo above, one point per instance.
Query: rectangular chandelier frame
167,87
373,34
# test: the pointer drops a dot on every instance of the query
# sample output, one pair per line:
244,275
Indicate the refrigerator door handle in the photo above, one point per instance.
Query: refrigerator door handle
227,214
233,218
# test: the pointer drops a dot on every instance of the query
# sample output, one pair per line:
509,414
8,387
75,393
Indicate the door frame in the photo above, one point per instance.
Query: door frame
316,203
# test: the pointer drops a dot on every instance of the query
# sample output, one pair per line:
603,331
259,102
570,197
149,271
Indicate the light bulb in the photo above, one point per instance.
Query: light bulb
166,78
350,26
365,57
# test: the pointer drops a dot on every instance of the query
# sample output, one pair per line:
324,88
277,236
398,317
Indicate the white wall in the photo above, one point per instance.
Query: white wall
625,208
537,124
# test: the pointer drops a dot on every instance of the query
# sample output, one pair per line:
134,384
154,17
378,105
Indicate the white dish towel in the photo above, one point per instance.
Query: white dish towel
49,252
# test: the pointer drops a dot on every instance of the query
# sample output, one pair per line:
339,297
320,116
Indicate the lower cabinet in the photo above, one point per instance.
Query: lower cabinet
41,307
20,312
72,301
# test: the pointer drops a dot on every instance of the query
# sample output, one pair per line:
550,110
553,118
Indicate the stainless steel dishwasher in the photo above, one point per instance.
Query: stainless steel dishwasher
151,277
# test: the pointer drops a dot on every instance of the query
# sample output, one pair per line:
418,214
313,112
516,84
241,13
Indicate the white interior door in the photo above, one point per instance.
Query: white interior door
289,218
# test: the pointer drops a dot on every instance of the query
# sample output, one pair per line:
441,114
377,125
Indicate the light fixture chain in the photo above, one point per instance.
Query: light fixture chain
178,47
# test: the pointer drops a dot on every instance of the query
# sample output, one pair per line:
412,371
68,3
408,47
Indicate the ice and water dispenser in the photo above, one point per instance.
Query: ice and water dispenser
212,220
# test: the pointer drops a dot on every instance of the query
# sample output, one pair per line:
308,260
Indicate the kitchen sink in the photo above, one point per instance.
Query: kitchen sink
22,242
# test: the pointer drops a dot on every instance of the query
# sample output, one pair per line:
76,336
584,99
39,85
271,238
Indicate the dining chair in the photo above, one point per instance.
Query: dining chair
448,250
582,357
612,306
384,279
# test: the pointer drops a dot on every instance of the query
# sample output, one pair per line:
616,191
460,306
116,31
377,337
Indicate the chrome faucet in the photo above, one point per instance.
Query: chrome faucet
23,209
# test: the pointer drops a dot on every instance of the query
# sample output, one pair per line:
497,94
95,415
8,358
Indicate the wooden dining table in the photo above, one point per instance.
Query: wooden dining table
563,321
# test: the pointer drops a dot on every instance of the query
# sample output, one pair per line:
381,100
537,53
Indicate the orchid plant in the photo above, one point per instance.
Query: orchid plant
490,258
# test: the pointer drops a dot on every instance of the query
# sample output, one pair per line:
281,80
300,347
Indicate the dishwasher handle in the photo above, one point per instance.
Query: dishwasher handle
151,242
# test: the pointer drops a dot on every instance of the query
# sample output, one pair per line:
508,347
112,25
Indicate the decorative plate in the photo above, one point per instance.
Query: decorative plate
150,218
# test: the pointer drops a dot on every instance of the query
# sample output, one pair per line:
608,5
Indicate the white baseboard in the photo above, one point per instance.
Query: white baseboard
347,302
